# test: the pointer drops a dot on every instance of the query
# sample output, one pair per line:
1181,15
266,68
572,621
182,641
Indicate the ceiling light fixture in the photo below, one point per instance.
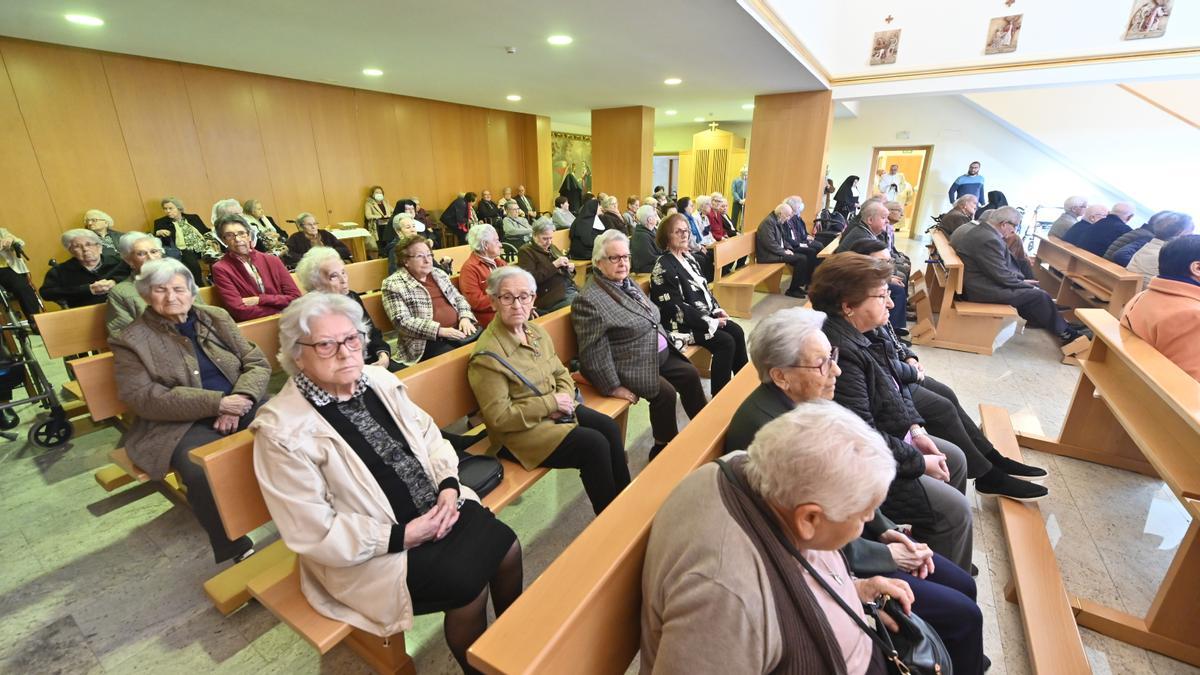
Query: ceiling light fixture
373,72
560,40
672,81
513,97
747,106
670,112
85,20
697,119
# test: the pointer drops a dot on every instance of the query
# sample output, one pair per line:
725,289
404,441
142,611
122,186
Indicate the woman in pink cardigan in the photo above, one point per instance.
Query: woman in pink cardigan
1167,314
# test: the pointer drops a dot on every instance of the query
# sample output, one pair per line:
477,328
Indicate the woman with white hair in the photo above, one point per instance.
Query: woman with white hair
404,224
321,270
610,215
742,562
365,490
527,397
88,276
124,302
796,364
517,229
472,277
624,350
429,313
102,224
190,378
551,269
309,236
274,238
182,235
642,246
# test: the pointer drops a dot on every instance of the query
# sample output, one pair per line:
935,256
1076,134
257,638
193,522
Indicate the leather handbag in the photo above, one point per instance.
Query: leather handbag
565,419
481,473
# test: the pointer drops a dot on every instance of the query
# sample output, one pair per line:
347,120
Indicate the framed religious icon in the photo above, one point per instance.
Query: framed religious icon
1002,35
884,47
1148,19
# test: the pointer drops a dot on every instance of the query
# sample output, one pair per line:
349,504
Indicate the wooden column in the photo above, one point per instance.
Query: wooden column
788,143
623,151
539,174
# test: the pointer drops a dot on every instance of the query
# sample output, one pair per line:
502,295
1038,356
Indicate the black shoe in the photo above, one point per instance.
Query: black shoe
1014,468
799,294
987,663
974,573
996,483
655,449
1071,334
902,332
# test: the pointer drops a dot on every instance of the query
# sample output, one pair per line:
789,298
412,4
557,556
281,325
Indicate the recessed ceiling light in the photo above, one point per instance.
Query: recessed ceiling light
373,72
513,97
697,119
672,81
747,106
670,112
560,40
85,20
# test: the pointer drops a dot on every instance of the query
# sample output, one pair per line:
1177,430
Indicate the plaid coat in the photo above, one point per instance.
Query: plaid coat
410,308
618,339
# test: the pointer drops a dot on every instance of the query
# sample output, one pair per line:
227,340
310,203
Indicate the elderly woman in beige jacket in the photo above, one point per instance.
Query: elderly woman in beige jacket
190,377
365,490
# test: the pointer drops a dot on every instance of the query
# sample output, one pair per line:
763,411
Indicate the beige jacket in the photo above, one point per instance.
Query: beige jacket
15,262
158,378
331,511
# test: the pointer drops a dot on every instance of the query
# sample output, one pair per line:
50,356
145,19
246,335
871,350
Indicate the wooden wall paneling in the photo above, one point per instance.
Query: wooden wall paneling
332,114
230,141
539,169
160,133
787,151
283,119
498,143
446,122
623,150
25,208
379,143
477,171
72,124
417,157
516,149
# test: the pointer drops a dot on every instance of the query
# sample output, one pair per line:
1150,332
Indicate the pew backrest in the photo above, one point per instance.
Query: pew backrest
368,276
731,249
73,331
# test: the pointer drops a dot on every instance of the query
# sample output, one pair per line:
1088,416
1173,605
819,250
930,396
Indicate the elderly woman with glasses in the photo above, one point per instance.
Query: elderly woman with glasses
624,351
182,235
190,378
472,278
742,564
931,480
124,302
797,364
679,288
88,276
102,224
551,269
527,397
642,245
311,235
430,314
364,488
321,270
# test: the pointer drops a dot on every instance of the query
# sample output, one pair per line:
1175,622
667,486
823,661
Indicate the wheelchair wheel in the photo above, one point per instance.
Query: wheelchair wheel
51,433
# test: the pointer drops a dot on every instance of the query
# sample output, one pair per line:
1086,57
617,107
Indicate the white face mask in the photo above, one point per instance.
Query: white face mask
378,196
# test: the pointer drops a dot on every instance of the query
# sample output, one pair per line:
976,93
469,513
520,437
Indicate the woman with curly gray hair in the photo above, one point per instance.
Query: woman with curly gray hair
322,270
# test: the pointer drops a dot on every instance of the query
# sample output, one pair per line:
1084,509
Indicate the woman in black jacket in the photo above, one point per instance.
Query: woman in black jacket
583,231
931,474
678,287
845,200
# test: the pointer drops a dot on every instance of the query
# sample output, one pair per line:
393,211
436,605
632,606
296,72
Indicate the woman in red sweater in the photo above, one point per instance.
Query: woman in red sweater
472,281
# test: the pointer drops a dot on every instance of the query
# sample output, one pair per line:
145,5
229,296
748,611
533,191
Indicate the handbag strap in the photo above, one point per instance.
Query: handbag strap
514,371
888,649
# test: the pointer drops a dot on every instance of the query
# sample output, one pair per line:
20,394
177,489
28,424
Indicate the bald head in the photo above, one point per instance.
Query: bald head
1095,212
783,212
1122,210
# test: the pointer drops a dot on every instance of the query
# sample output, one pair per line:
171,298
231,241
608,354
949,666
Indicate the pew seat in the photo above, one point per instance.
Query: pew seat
977,327
735,292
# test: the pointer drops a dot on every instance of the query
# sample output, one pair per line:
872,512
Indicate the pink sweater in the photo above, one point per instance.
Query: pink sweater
1167,315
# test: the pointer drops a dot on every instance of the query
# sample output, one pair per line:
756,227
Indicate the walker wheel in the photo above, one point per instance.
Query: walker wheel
51,433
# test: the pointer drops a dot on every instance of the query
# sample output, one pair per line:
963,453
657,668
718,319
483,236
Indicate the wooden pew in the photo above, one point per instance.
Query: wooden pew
1133,409
73,331
439,386
562,239
1079,278
582,615
831,248
961,325
735,292
365,277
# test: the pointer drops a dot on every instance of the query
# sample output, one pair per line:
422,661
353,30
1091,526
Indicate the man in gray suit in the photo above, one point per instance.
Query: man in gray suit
991,275
624,351
1073,210
771,246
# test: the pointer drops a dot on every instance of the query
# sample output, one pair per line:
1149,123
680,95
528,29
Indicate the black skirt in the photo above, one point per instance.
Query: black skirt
450,573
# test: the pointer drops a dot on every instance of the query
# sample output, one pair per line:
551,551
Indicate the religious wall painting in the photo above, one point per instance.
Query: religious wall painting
1148,19
884,47
571,153
1002,34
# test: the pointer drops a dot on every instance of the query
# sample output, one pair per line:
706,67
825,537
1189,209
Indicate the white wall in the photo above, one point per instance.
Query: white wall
960,134
679,137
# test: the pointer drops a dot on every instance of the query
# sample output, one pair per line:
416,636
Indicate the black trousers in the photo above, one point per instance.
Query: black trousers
18,285
945,418
800,272
199,494
597,448
437,348
728,347
676,375
1037,307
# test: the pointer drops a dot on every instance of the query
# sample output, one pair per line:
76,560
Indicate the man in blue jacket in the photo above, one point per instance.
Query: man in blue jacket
970,183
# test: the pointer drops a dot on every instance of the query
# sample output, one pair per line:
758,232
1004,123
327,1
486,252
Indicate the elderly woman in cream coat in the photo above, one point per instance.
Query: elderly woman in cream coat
365,490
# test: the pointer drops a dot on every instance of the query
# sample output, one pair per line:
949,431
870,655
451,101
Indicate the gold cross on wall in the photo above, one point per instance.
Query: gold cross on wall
712,126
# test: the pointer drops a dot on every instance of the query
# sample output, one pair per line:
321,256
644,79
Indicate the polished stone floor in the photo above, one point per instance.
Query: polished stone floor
92,582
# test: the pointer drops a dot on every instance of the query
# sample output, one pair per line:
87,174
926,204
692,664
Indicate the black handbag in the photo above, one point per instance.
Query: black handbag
481,473
916,648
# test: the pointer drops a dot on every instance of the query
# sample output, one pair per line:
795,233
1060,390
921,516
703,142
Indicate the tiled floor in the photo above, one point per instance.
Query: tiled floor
96,583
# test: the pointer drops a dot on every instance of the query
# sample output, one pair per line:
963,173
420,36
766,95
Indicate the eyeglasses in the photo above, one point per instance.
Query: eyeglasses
615,259
882,297
80,247
240,234
421,256
826,363
327,348
508,299
148,253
